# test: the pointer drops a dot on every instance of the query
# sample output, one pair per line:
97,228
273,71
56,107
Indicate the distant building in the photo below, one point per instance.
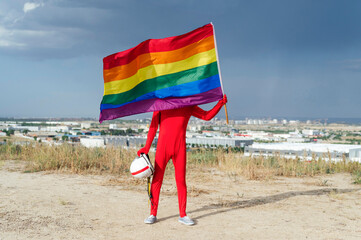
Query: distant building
296,137
55,129
29,128
18,134
297,140
85,125
73,138
92,133
218,141
306,150
310,132
194,128
211,133
62,123
254,121
126,141
43,135
239,122
92,142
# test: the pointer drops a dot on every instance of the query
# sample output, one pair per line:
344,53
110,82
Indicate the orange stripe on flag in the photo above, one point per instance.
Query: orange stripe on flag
144,60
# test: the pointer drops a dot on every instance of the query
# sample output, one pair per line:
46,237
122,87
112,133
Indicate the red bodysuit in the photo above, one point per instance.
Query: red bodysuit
172,145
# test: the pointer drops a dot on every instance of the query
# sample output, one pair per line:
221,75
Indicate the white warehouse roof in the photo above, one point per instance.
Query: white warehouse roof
306,150
313,147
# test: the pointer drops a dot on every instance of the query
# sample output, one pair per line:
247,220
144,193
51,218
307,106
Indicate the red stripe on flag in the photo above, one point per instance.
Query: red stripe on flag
157,45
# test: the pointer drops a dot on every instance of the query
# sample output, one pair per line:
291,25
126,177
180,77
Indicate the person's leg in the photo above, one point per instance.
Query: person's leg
159,168
179,162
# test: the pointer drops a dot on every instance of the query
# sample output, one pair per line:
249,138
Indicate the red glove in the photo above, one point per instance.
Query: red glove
224,100
143,150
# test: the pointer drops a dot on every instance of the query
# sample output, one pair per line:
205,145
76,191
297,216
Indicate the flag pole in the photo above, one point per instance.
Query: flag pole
219,70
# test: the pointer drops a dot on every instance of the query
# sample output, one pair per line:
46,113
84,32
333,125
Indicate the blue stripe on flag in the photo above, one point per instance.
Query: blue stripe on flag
183,90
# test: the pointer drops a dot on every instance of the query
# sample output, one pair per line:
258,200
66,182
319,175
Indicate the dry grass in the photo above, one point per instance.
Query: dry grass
263,168
116,161
320,183
69,158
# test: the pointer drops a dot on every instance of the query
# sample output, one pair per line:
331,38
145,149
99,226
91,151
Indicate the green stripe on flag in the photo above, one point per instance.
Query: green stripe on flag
169,80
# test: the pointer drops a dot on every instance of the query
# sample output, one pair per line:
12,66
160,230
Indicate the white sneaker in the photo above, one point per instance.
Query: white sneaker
186,220
150,220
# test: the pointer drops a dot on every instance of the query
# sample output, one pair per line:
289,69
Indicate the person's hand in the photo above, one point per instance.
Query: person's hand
224,99
143,150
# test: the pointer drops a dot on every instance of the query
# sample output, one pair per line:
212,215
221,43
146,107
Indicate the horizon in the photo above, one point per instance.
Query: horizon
345,120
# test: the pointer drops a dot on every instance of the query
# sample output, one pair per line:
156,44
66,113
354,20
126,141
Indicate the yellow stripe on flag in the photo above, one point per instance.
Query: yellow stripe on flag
153,71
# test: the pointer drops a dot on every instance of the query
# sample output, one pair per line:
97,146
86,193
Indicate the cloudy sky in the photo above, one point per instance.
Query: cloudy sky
278,58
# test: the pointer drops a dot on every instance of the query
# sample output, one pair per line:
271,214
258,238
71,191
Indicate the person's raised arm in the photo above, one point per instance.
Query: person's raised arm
151,133
208,115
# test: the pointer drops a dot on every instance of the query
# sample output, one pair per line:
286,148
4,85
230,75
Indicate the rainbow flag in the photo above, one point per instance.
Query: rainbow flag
161,74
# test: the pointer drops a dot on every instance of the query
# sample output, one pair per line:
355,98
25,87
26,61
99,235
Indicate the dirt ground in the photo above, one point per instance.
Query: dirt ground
64,206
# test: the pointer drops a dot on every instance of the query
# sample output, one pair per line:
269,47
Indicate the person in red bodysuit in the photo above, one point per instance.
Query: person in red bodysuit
172,145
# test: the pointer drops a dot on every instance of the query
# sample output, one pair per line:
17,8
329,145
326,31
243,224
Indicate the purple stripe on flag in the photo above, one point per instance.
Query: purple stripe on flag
156,104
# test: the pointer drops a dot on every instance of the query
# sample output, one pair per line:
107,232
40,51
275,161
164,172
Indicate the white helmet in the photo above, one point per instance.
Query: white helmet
141,167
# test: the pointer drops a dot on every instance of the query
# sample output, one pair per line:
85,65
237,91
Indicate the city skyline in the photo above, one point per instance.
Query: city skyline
291,59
